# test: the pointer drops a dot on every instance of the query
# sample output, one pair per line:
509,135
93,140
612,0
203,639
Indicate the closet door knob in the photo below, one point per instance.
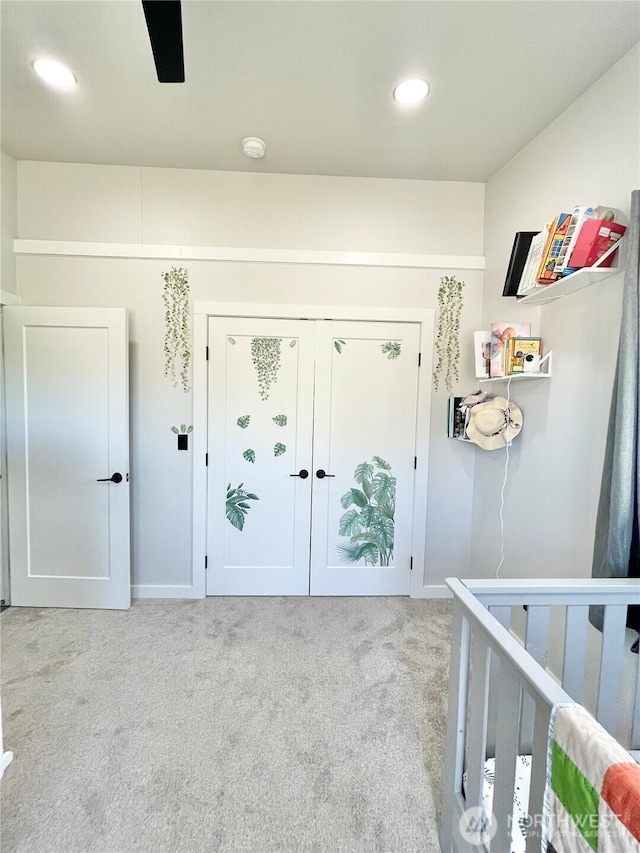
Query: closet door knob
114,478
303,474
321,474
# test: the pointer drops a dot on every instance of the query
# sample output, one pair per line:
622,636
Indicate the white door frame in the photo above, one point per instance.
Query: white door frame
203,310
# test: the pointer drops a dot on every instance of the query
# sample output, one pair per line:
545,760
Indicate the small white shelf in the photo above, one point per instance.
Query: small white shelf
543,373
517,377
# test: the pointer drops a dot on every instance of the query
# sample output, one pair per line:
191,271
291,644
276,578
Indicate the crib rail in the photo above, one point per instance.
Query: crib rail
500,688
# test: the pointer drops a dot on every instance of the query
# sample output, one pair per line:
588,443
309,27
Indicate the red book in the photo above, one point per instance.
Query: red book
595,237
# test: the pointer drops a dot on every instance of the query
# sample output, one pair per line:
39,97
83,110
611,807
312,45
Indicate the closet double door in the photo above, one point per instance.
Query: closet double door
311,448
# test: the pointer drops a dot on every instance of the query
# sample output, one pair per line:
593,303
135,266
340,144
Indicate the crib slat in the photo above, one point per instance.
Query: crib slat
537,633
536,640
456,723
502,614
611,665
506,756
575,650
479,703
538,776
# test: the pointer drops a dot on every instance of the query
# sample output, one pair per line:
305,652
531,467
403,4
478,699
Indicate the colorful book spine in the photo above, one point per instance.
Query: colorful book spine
558,232
579,216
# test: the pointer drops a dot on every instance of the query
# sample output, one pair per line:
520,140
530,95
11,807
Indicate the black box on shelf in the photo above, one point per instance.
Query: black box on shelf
519,253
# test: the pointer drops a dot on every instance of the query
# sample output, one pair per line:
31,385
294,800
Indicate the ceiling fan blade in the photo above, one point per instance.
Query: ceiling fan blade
164,23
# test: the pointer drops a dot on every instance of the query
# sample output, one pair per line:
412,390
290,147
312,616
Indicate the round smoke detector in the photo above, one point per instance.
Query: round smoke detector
253,147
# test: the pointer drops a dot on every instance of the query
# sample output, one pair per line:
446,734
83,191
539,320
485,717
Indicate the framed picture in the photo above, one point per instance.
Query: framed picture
482,353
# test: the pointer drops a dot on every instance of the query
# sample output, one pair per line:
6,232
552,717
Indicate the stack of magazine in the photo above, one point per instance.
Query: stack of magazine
570,241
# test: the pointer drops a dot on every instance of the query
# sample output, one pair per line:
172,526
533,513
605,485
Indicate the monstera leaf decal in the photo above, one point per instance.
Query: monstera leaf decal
369,517
243,421
250,455
237,506
280,420
279,449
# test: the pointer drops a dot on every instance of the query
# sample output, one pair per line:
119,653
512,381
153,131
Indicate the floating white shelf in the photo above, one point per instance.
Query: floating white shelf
577,280
544,372
569,284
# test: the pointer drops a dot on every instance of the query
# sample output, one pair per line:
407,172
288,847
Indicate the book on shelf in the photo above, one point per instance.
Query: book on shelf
595,238
528,281
579,216
517,261
522,355
457,419
500,332
482,353
546,271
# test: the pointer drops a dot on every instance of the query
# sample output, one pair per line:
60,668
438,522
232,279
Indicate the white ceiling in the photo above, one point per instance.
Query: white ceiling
313,79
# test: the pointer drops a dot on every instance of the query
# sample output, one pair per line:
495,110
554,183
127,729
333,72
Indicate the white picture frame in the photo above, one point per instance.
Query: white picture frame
482,353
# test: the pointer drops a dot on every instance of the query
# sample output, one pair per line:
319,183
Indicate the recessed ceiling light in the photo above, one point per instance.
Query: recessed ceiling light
411,91
55,74
254,147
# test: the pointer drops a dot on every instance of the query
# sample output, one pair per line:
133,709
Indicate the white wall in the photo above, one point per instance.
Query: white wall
120,204
8,220
589,155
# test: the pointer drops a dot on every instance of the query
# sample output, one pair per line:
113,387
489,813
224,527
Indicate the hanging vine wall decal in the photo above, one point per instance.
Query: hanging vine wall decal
177,344
265,354
450,301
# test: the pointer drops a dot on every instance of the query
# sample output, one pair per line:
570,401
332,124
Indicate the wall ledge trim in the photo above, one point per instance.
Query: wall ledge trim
80,249
8,298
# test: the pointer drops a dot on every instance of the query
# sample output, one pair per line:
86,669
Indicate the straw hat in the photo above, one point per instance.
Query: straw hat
494,424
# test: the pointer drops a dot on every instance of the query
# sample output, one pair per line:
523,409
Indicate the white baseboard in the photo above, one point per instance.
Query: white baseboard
144,590
435,591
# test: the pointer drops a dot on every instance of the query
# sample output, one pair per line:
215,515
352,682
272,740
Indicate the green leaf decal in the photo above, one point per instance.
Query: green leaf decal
346,500
293,343
237,506
232,341
280,420
250,455
243,422
363,472
279,449
391,349
369,516
338,345
380,463
359,498
350,523
175,429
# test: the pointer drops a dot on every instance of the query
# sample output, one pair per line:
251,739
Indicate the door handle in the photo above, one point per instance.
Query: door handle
114,478
303,474
321,474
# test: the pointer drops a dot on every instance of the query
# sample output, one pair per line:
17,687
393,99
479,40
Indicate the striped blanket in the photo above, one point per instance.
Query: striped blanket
592,799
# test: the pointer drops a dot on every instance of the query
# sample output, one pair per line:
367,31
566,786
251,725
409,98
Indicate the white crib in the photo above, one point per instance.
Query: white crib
502,690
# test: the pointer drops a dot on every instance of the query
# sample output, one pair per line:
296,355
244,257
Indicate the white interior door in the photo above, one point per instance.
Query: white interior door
339,400
364,441
68,456
260,438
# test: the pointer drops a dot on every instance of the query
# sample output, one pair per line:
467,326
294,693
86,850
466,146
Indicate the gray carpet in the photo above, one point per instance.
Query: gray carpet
229,724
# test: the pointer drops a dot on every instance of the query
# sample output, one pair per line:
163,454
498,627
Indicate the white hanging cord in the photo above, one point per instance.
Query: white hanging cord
504,483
